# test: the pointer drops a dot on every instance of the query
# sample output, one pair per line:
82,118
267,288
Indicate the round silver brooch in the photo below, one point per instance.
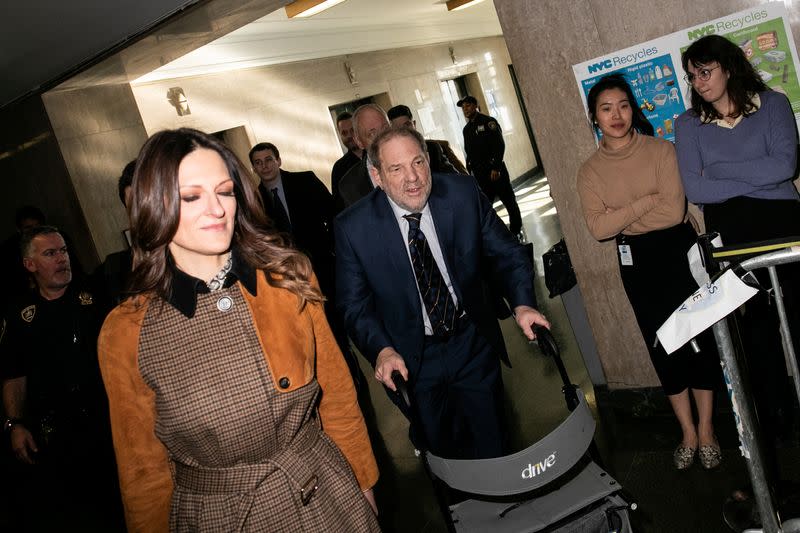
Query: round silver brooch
225,303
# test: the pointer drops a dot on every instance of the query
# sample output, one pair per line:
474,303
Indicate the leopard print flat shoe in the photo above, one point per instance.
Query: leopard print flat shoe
683,457
710,456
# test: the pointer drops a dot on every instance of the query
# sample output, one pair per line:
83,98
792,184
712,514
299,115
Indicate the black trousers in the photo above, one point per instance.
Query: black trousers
501,188
458,396
73,486
657,282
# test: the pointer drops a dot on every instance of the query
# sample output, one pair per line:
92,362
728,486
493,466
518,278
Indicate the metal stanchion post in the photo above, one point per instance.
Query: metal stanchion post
747,425
787,335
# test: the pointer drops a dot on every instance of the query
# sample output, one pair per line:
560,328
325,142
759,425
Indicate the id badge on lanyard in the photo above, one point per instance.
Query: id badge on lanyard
625,256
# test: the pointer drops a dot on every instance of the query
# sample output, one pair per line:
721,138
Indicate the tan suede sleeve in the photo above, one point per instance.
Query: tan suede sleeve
142,462
297,353
341,416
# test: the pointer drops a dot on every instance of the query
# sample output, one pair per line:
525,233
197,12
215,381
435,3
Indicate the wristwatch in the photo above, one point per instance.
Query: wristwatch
9,424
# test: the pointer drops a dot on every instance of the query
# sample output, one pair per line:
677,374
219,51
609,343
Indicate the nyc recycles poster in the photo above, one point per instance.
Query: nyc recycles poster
653,69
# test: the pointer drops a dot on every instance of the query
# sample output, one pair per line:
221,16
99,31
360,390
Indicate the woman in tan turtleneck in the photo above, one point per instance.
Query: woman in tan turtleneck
630,190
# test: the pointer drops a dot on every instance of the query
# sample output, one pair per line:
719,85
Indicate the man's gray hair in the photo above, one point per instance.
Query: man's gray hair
360,111
29,234
373,154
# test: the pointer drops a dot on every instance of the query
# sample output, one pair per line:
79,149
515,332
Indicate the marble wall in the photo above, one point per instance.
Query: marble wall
288,104
98,130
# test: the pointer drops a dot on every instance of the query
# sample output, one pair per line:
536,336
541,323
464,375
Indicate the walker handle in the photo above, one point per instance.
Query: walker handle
549,347
402,387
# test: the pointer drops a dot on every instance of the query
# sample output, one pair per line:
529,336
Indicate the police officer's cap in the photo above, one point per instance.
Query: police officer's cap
467,100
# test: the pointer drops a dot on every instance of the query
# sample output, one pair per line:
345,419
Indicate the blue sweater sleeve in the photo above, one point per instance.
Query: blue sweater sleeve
778,163
714,183
698,188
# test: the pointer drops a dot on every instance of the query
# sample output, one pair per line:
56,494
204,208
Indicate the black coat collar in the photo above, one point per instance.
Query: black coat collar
185,288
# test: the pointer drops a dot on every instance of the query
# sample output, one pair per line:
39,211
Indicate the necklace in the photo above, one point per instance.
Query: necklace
218,281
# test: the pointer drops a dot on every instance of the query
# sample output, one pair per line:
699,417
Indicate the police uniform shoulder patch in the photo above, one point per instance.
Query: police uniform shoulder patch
28,313
492,125
85,298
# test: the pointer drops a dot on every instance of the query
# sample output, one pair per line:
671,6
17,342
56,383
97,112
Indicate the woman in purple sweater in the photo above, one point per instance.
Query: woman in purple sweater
737,155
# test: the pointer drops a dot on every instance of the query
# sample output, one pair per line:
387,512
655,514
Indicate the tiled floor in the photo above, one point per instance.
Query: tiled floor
636,433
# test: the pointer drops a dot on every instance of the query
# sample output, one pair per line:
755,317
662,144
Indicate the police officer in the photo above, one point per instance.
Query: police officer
57,417
484,145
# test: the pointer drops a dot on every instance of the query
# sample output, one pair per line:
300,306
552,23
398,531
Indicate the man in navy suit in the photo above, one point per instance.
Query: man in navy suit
445,343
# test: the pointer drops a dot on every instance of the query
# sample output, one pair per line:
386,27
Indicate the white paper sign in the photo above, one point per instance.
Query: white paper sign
711,303
699,272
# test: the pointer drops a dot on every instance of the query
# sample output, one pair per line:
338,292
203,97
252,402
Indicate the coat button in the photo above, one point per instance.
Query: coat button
284,383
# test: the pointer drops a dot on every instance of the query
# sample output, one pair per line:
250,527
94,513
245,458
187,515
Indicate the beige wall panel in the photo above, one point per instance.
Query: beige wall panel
424,96
92,110
303,131
211,100
288,104
98,135
545,38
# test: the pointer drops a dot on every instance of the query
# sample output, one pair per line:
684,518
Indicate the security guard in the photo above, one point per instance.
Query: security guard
484,145
57,415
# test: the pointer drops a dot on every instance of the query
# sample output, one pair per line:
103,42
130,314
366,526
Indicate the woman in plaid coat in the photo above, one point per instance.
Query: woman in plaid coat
232,408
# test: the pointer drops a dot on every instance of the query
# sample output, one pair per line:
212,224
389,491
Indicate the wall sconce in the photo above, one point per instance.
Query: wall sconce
178,100
351,74
309,8
456,5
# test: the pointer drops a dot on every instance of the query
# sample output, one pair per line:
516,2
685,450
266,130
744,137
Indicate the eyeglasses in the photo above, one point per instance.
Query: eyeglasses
703,74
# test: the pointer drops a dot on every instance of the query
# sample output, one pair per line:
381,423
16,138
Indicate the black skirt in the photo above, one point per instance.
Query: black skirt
657,283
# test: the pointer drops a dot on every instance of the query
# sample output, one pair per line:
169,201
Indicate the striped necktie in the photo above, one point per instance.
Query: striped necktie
438,302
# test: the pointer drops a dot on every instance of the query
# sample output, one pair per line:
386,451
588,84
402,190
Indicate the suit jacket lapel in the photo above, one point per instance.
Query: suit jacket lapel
289,192
444,221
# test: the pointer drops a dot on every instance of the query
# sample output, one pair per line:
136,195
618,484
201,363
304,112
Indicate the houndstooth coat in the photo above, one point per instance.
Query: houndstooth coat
215,419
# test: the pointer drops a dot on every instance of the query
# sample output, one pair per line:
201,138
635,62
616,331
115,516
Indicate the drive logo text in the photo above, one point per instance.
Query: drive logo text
533,470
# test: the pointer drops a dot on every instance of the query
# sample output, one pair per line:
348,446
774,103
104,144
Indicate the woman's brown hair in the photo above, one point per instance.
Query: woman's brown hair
743,80
155,215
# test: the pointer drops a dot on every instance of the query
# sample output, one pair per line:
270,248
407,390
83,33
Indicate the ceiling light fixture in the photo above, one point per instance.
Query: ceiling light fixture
456,5
309,8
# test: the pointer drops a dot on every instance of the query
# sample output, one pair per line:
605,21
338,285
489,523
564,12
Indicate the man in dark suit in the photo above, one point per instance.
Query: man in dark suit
110,279
400,117
299,204
368,121
344,125
409,263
